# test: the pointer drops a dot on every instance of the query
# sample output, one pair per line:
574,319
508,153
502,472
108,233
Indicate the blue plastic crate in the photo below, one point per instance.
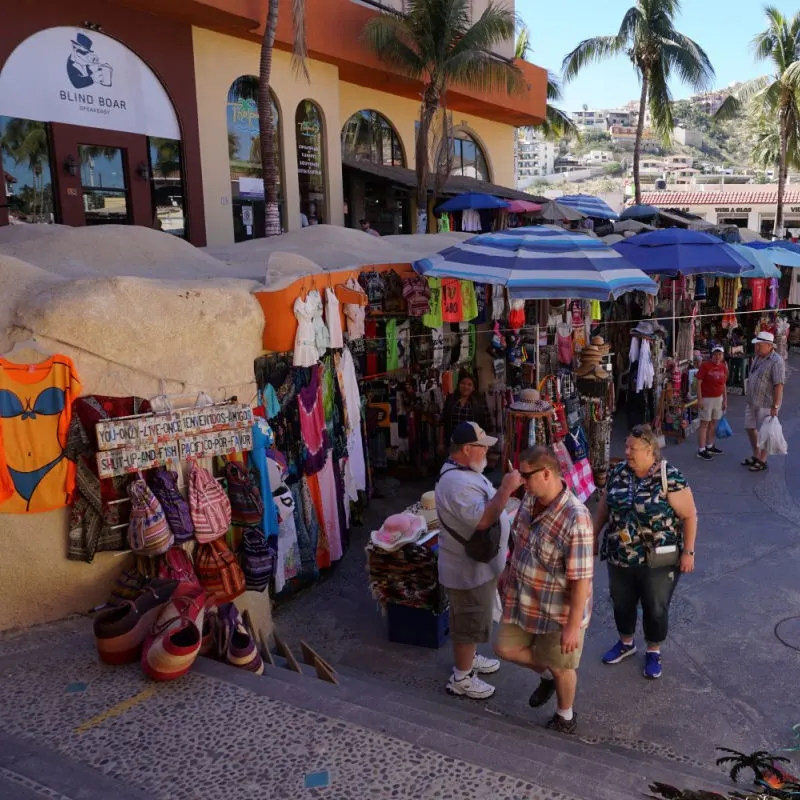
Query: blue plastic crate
417,626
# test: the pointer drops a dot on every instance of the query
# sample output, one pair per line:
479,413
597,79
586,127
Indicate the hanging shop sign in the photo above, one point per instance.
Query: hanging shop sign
82,77
137,443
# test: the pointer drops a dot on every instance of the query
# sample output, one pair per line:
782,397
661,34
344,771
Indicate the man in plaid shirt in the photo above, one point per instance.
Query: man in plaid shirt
547,585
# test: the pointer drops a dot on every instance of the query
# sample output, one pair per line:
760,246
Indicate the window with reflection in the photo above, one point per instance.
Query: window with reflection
468,158
369,136
25,160
166,180
311,176
244,155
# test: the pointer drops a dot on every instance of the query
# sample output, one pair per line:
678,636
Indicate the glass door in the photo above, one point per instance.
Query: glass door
104,185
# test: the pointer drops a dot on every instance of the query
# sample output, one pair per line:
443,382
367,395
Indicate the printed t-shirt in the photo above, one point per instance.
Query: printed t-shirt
393,301
372,283
417,296
433,318
712,378
469,302
35,413
452,300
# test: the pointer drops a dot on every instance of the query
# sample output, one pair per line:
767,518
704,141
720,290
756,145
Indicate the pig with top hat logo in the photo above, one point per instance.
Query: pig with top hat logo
84,68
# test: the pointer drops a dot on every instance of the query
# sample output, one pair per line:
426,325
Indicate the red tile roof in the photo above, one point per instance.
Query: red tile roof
755,195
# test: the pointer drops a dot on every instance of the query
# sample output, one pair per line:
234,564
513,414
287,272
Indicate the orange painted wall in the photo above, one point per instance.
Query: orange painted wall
280,325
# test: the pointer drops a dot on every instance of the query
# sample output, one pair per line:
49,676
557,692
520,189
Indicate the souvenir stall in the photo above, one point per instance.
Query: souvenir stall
472,212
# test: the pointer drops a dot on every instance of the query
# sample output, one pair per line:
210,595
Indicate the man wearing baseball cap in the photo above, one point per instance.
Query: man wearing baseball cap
712,401
764,395
468,505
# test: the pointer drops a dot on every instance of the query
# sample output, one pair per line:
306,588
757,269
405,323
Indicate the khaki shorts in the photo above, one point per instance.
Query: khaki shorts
711,410
471,613
754,417
546,646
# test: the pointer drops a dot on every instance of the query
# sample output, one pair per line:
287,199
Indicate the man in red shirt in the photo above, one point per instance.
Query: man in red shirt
712,400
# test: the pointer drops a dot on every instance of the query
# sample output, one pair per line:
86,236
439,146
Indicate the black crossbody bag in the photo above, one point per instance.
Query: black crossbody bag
484,545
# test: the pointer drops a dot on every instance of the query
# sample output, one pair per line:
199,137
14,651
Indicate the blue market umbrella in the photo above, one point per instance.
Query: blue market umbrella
677,251
541,261
639,212
589,205
780,256
476,200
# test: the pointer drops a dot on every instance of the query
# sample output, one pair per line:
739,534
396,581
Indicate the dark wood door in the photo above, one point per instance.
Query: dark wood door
100,177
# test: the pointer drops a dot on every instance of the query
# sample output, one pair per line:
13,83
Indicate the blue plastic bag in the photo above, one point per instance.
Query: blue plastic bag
724,429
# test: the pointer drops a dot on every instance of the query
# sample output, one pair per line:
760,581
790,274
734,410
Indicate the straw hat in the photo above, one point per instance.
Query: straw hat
398,531
529,400
428,510
600,343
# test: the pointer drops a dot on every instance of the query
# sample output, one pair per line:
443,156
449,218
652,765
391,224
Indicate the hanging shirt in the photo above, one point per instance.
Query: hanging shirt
417,296
334,319
469,301
393,301
480,297
372,283
35,414
498,302
433,318
452,300
444,224
392,355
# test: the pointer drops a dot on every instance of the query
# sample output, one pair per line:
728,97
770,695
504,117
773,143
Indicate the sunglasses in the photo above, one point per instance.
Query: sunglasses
527,475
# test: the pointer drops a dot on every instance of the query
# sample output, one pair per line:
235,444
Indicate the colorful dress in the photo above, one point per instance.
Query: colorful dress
334,319
306,353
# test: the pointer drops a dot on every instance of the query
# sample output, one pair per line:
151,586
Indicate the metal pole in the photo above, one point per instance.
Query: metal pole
537,355
674,338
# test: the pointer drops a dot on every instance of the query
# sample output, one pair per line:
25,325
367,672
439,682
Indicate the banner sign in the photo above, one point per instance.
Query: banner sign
130,444
82,77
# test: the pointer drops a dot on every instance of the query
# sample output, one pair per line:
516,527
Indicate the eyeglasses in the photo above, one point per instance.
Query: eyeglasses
527,475
642,432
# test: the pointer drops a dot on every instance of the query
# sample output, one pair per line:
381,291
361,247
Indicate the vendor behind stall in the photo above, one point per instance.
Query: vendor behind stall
463,405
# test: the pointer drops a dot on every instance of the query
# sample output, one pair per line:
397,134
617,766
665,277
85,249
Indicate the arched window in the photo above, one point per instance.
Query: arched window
310,136
244,154
468,158
369,136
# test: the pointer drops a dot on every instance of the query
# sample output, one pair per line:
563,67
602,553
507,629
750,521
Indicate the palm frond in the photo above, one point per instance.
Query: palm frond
523,43
633,20
746,93
484,72
588,51
388,37
791,78
558,125
299,45
494,27
660,101
691,62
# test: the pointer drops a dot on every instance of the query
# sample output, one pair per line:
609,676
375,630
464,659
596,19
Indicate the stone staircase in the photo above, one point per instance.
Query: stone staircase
567,768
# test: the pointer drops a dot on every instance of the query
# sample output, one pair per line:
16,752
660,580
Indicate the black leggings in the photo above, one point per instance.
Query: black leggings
653,588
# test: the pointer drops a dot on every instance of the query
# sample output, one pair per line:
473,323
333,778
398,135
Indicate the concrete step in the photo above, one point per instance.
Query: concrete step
464,730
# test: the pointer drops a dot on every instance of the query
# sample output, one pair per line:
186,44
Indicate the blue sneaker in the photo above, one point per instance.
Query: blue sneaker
652,666
619,652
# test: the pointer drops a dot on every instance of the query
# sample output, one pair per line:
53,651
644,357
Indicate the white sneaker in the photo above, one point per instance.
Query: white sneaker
471,686
483,665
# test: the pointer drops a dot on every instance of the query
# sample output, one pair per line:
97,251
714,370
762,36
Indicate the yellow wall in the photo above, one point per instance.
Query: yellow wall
496,139
220,59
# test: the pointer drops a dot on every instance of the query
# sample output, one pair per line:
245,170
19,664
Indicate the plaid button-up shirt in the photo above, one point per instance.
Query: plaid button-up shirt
551,549
765,374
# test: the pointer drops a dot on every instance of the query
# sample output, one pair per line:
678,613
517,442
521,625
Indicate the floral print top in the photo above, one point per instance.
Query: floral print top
639,513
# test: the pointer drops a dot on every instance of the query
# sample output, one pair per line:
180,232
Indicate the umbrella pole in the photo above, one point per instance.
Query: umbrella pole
536,352
674,339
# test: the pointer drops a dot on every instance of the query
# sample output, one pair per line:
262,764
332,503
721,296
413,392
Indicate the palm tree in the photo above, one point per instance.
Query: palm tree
647,36
437,43
557,124
775,96
272,217
26,140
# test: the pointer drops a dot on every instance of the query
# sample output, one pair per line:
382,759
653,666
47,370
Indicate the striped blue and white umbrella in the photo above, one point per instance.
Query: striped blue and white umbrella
589,205
541,261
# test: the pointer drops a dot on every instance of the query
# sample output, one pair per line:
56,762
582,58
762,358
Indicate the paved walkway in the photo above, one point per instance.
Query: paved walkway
727,681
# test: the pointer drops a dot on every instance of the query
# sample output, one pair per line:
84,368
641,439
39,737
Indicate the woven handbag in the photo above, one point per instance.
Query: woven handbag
258,555
208,504
218,571
148,532
164,484
247,507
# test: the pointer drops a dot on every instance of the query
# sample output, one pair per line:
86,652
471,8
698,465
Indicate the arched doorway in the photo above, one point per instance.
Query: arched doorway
93,140
369,138
311,175
244,155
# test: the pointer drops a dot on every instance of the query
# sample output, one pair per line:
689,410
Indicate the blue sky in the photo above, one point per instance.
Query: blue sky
724,28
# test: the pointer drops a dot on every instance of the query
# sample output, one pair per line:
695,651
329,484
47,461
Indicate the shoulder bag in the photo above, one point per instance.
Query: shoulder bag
669,555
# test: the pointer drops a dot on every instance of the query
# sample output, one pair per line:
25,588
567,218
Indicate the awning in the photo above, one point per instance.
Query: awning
456,184
691,221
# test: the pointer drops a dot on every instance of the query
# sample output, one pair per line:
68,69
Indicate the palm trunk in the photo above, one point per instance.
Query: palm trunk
269,169
430,104
777,231
637,147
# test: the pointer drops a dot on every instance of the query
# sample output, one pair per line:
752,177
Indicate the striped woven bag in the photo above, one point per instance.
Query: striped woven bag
208,505
148,532
218,571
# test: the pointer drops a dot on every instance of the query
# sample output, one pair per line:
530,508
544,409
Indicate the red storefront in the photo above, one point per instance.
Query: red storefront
98,118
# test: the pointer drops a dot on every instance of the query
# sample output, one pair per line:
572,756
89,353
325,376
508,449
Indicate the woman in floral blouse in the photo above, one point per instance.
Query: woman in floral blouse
648,523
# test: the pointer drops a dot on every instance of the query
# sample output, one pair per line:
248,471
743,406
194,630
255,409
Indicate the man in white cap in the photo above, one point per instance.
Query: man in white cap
468,507
764,395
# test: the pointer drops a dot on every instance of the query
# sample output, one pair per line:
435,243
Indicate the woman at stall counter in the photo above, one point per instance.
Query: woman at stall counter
463,405
648,515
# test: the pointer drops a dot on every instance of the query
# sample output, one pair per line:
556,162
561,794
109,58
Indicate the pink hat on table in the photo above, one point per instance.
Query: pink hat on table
398,531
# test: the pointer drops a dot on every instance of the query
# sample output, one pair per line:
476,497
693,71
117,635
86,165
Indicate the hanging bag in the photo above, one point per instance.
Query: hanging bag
148,532
247,507
259,556
176,565
208,504
724,430
164,484
771,439
576,443
218,571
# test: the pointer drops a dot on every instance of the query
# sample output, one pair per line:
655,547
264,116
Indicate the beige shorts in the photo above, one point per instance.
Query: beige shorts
754,417
471,612
711,410
546,646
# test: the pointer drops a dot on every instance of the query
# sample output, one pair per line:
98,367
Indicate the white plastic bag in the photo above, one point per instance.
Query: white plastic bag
770,437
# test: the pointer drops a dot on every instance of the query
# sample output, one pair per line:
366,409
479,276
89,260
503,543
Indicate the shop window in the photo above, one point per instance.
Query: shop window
103,185
310,136
369,136
27,181
244,155
166,177
468,158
